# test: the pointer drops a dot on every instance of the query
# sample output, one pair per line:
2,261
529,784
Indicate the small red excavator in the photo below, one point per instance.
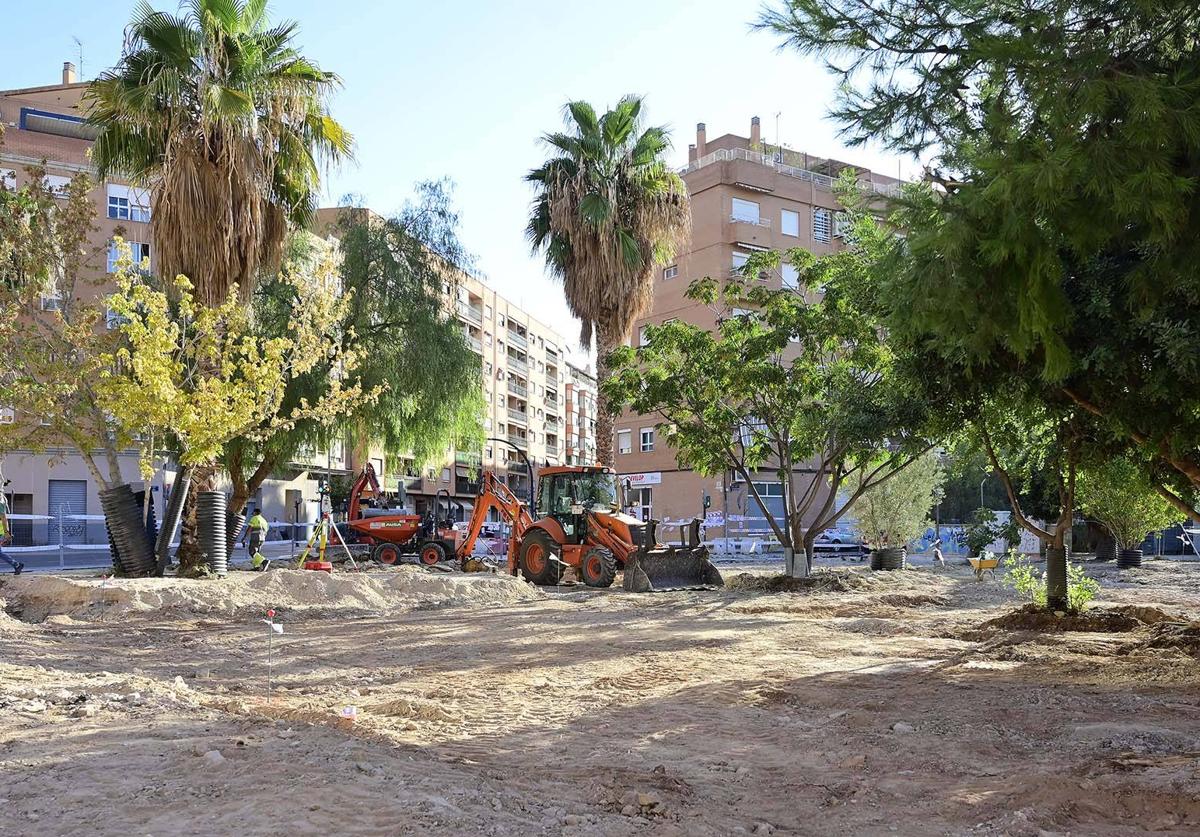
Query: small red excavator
393,534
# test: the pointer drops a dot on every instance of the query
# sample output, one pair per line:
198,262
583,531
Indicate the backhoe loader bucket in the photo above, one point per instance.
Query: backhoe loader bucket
657,569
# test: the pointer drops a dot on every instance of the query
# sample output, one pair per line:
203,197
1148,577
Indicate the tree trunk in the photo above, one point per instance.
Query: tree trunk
1056,577
607,339
204,478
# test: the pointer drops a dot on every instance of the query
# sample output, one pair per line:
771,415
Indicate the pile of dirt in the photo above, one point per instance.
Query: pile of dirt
821,581
289,592
1182,635
1112,620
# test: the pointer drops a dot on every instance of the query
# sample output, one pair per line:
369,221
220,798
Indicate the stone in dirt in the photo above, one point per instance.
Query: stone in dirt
214,757
901,728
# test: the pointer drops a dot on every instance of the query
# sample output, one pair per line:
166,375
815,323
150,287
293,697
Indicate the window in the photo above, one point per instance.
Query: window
51,302
125,204
113,320
487,368
139,251
841,225
57,184
791,276
7,416
739,260
789,222
8,178
445,475
822,225
745,211
500,321
487,453
671,272
647,439
487,312
624,441
643,336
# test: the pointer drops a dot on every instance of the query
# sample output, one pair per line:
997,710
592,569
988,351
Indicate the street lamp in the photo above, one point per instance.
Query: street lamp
981,482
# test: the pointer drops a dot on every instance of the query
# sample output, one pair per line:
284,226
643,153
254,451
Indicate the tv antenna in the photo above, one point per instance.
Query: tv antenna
79,49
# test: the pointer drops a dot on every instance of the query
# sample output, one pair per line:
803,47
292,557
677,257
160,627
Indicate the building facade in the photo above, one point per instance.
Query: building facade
746,196
530,390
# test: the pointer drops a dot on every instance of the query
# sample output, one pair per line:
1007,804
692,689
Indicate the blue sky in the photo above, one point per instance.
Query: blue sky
464,89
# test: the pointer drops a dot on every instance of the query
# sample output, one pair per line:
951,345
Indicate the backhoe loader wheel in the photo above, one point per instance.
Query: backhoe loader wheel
598,567
385,553
433,553
537,558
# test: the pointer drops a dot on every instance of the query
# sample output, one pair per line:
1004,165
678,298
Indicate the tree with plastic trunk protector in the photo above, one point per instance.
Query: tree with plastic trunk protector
795,382
201,376
1061,231
608,214
219,116
1118,494
894,512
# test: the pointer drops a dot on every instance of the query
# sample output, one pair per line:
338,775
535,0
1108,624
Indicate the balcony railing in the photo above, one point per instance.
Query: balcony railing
518,364
754,222
470,312
517,339
518,440
517,389
474,344
518,415
823,181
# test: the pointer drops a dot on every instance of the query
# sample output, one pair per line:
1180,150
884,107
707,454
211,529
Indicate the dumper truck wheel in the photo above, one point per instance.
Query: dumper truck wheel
537,563
385,553
598,567
433,553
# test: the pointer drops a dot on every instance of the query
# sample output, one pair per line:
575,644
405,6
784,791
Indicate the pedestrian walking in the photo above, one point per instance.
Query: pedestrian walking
256,531
17,566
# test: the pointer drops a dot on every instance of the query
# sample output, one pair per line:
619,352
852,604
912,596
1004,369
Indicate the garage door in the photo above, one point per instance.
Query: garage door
67,497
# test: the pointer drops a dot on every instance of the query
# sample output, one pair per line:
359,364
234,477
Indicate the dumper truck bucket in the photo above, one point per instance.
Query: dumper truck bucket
656,569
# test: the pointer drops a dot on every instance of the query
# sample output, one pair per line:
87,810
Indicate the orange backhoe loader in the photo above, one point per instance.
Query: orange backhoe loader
579,525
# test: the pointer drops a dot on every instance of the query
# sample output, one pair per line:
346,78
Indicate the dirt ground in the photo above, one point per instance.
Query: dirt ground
861,704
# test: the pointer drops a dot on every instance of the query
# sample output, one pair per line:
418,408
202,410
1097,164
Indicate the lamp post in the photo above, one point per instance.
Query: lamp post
981,482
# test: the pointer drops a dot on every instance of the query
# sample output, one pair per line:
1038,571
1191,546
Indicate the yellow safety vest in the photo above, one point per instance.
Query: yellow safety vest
256,560
260,523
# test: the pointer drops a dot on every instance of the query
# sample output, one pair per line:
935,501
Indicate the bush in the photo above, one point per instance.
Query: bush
1021,575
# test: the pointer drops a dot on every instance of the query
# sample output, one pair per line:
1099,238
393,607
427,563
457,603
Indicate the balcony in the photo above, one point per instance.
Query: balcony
518,415
516,363
517,339
821,181
470,312
519,441
475,344
517,389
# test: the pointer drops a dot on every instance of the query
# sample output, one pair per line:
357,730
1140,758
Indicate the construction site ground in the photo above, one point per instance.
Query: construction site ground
857,703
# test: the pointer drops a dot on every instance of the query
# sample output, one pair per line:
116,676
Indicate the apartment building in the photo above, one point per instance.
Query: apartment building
54,491
580,416
746,196
530,390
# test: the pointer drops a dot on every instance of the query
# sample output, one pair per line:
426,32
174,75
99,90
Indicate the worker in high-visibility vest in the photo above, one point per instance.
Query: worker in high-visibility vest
4,537
259,562
256,530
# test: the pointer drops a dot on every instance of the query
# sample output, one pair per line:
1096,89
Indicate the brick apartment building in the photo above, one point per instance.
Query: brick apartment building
746,196
53,494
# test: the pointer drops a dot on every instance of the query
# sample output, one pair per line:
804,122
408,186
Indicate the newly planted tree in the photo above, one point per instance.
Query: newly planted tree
895,511
797,383
608,212
1117,493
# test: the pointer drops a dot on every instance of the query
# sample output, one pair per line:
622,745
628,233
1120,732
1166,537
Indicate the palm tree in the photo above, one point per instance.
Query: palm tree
225,122
607,212
217,113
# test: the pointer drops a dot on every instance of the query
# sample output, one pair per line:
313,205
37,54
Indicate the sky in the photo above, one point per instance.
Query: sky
464,89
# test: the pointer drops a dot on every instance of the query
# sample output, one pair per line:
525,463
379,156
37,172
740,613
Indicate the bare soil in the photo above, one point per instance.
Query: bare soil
859,704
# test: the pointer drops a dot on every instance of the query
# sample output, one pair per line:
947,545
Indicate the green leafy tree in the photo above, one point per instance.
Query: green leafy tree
797,382
421,383
607,213
1118,494
1061,230
894,511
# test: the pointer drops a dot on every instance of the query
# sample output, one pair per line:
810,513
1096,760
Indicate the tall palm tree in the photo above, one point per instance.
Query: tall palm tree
608,211
216,112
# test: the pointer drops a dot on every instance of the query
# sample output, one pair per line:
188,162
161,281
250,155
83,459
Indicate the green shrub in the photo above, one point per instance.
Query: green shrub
1021,575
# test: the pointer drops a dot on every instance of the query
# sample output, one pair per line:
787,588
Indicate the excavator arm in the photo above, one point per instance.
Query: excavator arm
494,494
368,484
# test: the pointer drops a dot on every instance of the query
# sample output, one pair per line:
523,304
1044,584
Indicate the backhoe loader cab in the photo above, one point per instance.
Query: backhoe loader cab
568,495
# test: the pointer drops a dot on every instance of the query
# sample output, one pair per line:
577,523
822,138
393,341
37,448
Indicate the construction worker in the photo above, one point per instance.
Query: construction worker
4,537
256,530
259,562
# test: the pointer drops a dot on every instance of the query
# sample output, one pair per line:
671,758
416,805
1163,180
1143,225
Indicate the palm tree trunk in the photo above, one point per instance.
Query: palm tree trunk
607,339
204,478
